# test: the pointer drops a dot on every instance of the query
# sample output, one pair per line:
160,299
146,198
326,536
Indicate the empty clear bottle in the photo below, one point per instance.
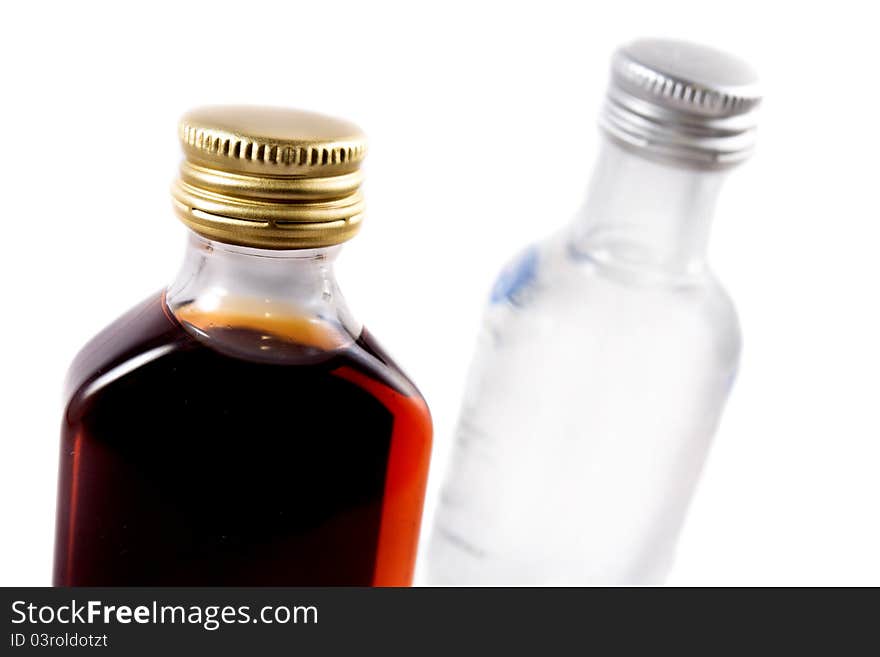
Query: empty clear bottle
608,351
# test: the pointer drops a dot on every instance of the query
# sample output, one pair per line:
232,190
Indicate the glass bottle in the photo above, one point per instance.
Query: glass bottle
242,428
606,352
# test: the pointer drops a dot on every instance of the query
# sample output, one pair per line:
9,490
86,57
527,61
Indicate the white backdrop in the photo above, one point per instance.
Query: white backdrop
481,120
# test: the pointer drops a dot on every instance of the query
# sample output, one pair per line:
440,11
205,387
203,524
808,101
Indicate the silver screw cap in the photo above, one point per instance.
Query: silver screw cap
682,102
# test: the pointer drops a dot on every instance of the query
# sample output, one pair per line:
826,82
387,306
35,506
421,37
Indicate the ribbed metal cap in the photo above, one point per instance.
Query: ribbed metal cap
682,102
269,177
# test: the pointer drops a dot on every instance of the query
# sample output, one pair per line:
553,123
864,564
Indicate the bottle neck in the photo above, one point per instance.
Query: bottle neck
290,293
644,214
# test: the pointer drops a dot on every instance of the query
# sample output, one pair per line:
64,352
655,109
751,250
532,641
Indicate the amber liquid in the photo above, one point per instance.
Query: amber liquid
184,464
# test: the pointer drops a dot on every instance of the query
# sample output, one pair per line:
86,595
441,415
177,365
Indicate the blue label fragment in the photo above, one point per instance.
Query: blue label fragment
515,277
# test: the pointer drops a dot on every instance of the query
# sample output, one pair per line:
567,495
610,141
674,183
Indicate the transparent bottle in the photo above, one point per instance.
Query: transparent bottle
241,427
607,351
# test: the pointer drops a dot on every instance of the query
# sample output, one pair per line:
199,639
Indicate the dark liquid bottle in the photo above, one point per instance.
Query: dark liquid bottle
241,429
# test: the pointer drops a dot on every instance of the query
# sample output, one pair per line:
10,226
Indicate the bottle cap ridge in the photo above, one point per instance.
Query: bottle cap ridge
269,177
682,102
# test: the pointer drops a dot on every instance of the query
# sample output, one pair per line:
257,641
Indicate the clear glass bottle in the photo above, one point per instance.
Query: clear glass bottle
242,428
607,352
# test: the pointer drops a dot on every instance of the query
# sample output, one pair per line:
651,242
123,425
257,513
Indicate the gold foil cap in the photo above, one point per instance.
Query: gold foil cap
269,177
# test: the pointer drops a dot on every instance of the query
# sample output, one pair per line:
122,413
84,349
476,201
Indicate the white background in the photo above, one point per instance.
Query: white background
481,119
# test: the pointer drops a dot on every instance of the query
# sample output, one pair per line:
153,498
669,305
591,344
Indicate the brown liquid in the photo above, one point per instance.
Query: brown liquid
184,464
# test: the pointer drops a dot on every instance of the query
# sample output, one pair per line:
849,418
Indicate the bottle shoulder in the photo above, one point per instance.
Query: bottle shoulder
555,273
370,350
148,349
564,296
144,328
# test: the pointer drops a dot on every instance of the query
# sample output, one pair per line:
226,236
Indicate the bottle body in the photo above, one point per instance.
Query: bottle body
240,430
601,371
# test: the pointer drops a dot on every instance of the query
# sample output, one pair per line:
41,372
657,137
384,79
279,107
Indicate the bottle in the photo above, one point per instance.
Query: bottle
241,428
607,352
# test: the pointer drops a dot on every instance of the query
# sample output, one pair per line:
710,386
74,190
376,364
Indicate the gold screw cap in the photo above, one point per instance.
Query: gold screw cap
269,177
